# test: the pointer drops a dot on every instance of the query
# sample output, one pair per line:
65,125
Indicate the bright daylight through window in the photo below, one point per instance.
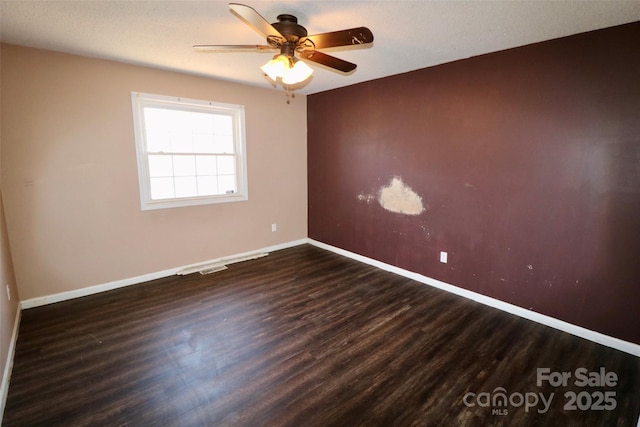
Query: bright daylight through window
190,152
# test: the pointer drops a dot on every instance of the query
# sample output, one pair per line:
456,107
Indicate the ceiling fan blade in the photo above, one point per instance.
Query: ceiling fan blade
353,36
254,19
328,60
232,47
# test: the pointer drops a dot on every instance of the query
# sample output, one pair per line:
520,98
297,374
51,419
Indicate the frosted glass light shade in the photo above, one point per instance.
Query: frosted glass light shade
299,73
276,67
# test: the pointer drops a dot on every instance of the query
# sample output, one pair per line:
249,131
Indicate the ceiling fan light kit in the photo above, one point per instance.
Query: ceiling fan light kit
289,69
290,38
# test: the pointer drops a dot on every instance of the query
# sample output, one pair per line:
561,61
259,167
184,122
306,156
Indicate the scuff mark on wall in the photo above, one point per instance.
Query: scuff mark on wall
368,198
400,198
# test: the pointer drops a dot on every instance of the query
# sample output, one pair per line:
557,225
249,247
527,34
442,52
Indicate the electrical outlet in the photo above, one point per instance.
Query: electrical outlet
274,227
8,293
443,257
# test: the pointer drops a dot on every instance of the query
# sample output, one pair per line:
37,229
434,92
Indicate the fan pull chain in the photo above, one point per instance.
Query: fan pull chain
289,93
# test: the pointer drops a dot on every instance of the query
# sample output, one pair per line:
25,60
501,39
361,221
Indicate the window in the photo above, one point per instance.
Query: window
190,152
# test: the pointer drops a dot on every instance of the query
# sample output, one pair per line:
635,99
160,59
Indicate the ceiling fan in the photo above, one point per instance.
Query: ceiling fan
290,38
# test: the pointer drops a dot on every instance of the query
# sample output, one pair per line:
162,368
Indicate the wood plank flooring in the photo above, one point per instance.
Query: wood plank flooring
303,337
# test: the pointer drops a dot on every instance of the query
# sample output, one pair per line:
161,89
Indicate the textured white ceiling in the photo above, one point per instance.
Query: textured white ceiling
408,34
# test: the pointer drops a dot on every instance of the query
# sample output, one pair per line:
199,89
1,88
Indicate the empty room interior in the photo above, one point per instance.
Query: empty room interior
447,234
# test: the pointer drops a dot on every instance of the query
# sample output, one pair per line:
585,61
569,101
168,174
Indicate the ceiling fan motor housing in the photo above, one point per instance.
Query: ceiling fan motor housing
288,26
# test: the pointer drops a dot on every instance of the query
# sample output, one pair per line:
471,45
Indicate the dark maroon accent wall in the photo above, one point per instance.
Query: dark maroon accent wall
527,162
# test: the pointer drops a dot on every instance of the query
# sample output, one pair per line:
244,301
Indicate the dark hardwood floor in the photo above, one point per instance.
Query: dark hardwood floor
303,337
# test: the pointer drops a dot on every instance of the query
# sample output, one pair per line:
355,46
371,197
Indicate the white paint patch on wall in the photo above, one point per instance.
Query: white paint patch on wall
400,198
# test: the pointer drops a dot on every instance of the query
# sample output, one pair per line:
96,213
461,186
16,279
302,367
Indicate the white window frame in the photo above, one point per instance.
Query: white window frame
141,100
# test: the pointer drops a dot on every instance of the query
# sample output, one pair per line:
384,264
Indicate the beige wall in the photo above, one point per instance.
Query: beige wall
70,177
8,308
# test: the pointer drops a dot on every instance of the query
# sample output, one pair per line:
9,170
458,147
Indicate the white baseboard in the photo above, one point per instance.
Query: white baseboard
77,293
561,325
6,374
